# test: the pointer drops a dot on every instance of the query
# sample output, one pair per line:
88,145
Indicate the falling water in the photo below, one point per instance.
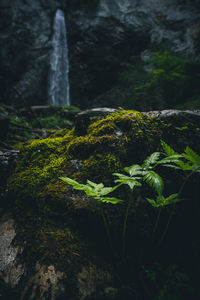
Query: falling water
59,63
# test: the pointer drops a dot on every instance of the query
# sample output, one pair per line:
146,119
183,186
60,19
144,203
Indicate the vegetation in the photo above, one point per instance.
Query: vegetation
162,79
136,175
64,225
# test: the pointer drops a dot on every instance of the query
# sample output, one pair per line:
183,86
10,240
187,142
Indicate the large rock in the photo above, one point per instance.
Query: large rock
66,251
101,35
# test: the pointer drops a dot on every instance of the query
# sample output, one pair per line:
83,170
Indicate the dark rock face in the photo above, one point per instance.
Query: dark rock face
25,33
102,38
101,35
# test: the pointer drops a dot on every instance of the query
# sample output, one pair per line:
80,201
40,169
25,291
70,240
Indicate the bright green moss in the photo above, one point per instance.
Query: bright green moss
42,161
111,123
110,144
99,168
84,146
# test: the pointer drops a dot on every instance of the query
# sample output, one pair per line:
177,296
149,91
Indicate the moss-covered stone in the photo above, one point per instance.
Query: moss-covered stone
107,145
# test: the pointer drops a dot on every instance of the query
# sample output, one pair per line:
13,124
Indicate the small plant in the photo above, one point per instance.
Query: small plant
189,162
98,192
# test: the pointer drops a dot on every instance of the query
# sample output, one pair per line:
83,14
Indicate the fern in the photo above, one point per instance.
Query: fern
154,180
193,158
130,181
97,191
134,170
168,151
150,161
162,201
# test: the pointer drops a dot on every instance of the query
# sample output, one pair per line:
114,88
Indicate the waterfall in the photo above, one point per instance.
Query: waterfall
59,63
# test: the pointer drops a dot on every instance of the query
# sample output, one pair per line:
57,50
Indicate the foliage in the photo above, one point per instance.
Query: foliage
51,122
97,191
168,282
188,161
165,80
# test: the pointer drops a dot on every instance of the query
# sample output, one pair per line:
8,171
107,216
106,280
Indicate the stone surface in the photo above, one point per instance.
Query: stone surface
11,271
48,281
101,35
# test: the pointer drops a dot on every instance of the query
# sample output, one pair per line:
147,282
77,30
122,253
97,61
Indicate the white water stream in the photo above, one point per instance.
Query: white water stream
59,64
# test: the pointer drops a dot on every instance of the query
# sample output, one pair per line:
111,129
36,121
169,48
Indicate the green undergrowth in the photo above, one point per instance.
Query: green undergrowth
111,143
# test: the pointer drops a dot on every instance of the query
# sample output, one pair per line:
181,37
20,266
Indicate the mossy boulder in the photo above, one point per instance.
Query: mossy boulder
62,227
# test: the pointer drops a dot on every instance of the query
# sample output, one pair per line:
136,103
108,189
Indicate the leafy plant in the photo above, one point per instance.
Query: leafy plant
98,192
136,175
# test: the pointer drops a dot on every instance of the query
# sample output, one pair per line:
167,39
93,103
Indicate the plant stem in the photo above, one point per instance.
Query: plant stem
157,221
125,224
107,228
173,209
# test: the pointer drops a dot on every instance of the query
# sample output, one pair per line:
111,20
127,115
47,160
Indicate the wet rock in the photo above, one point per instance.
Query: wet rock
176,115
11,270
46,283
4,123
101,36
91,282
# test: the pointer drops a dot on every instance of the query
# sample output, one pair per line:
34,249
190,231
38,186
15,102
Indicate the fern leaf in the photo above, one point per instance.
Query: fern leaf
152,202
111,200
171,159
167,149
154,180
74,183
95,185
130,181
151,160
133,170
192,156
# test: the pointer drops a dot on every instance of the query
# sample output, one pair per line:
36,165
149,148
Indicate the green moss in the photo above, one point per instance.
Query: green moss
84,146
51,122
111,123
110,142
42,161
99,168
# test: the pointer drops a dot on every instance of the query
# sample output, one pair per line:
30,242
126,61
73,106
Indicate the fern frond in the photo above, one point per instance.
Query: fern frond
162,201
152,202
133,170
151,160
74,183
111,200
192,156
168,151
171,160
154,180
95,185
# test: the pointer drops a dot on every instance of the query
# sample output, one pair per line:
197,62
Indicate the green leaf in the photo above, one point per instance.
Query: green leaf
171,159
75,184
154,180
167,149
133,170
192,156
111,200
91,188
152,202
162,201
95,185
130,181
151,160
